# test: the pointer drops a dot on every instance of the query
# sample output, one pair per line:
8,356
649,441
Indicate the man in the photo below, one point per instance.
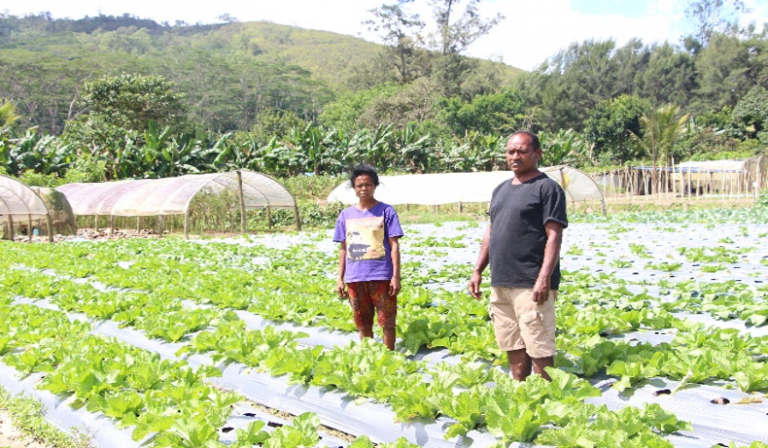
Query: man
522,244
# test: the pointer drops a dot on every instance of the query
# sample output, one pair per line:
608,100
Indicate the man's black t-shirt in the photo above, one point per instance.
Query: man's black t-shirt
518,238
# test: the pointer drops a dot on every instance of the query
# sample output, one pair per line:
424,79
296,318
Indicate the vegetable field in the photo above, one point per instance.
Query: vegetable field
662,341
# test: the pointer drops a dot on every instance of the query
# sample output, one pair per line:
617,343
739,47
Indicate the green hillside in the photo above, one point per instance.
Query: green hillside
228,72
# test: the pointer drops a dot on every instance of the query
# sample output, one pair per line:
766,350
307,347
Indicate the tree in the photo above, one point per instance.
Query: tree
670,76
498,113
572,82
610,124
725,73
751,113
566,147
131,101
345,113
630,61
661,128
457,32
8,117
399,31
711,16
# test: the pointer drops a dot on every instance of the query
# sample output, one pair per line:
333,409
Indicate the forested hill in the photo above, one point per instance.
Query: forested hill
228,71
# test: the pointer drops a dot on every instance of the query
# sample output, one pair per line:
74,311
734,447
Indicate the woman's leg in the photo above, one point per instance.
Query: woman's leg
362,308
386,307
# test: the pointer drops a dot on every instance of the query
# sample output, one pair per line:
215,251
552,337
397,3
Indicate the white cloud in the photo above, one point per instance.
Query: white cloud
532,32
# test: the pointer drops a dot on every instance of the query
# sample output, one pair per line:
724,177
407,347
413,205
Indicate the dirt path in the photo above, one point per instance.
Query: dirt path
10,437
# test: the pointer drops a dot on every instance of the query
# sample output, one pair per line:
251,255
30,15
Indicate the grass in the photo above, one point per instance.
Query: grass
28,417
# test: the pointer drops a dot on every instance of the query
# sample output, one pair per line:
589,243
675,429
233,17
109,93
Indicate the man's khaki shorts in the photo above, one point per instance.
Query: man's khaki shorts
521,323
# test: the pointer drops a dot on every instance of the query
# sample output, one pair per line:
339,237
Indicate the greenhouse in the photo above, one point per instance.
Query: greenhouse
21,204
451,188
172,196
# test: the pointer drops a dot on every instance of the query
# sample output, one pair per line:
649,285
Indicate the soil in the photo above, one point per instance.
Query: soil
10,437
91,234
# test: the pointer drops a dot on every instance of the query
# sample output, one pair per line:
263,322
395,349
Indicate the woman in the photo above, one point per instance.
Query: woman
369,257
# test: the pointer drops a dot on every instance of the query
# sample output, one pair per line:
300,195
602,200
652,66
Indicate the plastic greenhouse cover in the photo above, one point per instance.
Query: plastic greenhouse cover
18,199
171,196
450,188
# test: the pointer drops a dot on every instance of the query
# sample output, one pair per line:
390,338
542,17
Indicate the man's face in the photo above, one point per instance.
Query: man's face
521,157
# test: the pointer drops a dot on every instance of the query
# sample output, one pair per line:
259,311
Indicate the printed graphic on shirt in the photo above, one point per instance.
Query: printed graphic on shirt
365,239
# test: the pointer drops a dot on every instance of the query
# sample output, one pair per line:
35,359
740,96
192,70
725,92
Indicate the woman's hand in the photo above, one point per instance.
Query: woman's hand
341,289
394,287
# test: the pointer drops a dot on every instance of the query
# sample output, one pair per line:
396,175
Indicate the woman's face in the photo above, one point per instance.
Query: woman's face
364,187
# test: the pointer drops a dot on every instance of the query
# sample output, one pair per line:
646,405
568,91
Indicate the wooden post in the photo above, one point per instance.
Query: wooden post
610,180
674,180
138,224
722,184
741,180
461,207
112,224
96,223
160,225
29,227
625,177
269,217
49,224
10,227
698,186
731,184
242,201
186,224
690,184
297,217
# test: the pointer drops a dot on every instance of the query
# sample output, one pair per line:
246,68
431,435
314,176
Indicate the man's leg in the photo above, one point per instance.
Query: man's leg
519,364
537,326
540,363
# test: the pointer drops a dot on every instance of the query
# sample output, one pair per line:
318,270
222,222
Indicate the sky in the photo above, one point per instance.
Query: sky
531,31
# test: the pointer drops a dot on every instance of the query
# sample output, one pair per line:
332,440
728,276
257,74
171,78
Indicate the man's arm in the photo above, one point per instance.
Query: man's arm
480,265
554,232
341,287
394,284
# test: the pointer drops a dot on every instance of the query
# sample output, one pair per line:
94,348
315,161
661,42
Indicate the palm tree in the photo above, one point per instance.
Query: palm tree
660,129
7,119
8,115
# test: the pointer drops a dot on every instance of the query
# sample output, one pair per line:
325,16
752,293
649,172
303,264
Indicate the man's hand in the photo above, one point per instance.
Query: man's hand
474,285
341,289
541,290
394,287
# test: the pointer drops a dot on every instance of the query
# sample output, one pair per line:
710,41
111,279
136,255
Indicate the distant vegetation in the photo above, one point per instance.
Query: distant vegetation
121,97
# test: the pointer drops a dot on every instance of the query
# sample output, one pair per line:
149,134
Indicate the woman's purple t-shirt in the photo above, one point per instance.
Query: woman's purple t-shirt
367,234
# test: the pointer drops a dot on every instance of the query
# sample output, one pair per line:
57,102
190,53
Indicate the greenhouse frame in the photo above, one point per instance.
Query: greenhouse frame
173,195
466,188
19,200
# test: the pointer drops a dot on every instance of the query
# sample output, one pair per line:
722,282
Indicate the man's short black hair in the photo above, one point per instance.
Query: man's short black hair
534,138
363,169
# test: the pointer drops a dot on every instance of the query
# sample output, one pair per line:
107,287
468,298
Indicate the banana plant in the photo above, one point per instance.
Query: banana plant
566,147
45,154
